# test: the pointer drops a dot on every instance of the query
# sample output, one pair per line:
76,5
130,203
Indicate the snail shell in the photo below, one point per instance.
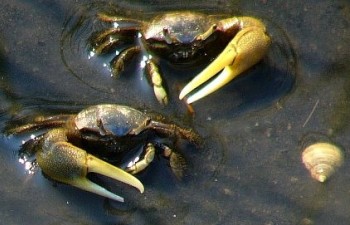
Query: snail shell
322,159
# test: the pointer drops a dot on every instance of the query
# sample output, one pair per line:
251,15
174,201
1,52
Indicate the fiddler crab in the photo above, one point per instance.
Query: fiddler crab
78,144
181,38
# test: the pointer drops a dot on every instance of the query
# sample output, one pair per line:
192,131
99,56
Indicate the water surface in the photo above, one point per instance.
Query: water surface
249,170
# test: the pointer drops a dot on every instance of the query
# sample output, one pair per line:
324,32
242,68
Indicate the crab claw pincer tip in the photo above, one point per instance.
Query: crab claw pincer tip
99,166
221,62
96,165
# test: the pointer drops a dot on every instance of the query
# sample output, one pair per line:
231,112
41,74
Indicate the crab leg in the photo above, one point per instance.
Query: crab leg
173,129
101,42
117,64
112,19
156,80
246,49
177,162
41,122
66,163
143,163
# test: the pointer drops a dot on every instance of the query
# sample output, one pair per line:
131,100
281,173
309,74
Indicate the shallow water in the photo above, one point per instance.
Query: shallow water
249,170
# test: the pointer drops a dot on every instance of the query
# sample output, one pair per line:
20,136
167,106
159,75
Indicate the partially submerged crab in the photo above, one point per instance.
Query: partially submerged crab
77,142
182,37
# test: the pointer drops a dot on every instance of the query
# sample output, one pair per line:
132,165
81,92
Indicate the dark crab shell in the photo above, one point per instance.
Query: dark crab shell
181,26
175,36
117,119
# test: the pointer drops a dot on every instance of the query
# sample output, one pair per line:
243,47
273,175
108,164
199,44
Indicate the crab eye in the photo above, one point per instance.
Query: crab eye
168,37
165,31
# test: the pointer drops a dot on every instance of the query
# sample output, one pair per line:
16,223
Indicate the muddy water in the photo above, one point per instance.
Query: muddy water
249,170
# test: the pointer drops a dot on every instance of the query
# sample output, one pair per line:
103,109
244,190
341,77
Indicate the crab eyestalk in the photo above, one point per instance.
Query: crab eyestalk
246,49
69,164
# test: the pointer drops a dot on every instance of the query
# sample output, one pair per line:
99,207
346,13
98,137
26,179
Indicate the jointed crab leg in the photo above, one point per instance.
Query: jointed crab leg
169,130
117,64
157,82
143,163
41,122
111,19
69,164
247,48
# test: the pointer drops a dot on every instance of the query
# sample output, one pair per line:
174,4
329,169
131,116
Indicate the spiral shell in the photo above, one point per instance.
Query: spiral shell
322,159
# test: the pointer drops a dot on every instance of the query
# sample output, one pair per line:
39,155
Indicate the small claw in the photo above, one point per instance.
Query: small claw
246,49
143,163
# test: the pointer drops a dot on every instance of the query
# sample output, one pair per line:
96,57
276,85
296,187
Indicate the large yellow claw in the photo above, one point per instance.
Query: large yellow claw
246,49
68,164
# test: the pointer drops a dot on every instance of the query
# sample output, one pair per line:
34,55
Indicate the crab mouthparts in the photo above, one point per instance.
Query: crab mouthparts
183,54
